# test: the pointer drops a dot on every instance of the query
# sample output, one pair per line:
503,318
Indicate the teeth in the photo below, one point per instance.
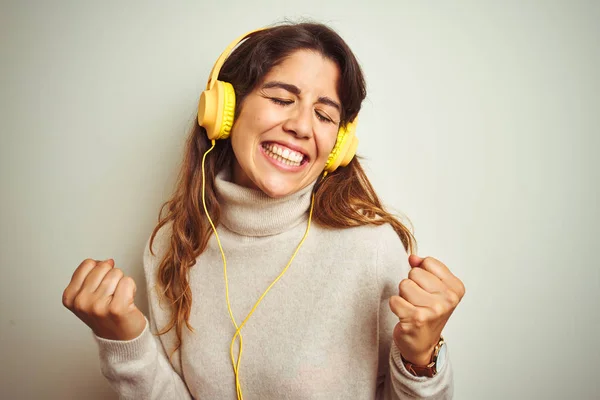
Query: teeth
284,155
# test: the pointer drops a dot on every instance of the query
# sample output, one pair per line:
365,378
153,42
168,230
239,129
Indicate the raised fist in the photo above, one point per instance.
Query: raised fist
102,296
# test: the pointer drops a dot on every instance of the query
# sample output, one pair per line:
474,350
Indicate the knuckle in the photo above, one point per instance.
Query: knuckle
115,273
81,265
87,261
80,304
438,309
114,311
452,297
392,302
66,298
430,259
130,282
404,284
98,309
420,319
413,273
405,328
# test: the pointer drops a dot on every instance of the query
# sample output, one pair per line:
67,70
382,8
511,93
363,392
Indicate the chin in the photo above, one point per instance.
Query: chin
277,189
271,182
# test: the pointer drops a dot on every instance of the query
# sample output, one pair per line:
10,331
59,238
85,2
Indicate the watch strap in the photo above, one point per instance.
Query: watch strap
428,370
416,370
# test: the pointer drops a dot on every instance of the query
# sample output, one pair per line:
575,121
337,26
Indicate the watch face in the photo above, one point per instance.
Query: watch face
441,358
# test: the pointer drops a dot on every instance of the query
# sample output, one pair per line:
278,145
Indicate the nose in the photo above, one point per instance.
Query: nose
300,123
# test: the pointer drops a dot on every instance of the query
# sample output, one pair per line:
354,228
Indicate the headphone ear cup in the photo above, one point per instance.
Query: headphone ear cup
344,148
216,110
333,158
352,146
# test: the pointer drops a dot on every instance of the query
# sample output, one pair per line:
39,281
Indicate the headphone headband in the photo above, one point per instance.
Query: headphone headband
214,73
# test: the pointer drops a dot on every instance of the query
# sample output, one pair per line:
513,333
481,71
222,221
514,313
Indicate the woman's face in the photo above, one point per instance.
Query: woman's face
287,126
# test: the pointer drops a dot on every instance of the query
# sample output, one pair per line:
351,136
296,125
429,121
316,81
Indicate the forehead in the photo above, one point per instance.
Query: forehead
310,71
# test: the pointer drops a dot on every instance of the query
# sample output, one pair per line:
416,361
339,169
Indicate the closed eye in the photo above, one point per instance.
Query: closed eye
282,102
323,118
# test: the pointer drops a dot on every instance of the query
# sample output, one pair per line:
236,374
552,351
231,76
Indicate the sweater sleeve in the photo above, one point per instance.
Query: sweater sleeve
140,368
394,380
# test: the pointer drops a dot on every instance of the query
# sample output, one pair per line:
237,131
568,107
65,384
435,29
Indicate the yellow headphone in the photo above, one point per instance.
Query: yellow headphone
216,110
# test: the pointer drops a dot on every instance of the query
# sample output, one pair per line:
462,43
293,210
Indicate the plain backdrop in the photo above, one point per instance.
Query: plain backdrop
481,125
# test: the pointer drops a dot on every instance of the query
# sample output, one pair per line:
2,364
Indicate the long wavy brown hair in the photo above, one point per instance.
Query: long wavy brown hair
345,198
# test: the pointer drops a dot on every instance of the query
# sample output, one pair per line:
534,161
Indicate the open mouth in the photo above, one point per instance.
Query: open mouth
284,154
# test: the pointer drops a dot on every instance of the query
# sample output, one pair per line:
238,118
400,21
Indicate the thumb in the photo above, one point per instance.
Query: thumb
108,260
125,294
414,260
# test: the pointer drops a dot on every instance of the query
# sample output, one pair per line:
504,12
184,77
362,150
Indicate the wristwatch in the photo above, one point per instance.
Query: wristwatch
438,358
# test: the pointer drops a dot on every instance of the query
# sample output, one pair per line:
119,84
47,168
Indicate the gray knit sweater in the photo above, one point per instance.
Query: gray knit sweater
323,331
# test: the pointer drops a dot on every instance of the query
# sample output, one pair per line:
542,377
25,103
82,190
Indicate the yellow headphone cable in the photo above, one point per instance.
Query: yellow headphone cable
236,365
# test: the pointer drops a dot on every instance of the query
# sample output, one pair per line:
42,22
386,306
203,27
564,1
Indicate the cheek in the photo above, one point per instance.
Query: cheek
245,128
240,143
326,144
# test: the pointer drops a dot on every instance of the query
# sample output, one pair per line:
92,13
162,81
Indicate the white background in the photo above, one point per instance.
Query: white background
481,125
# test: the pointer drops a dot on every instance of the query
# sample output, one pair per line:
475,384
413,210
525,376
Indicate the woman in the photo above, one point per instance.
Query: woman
268,305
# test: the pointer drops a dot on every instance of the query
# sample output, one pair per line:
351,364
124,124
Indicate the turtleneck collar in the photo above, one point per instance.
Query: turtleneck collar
250,212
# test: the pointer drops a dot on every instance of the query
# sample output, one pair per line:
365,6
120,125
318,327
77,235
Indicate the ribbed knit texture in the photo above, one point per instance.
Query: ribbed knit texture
324,331
252,213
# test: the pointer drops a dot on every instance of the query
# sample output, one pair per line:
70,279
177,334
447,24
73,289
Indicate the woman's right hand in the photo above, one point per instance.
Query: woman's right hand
102,296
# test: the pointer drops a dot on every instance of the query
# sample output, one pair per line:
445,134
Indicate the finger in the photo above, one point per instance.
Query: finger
402,308
109,284
426,280
81,272
95,277
440,270
414,260
415,295
124,294
77,279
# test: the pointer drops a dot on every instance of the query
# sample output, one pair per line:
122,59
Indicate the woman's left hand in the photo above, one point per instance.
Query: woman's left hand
425,302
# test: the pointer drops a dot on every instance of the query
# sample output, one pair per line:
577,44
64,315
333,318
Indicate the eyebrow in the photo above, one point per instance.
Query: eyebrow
296,90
